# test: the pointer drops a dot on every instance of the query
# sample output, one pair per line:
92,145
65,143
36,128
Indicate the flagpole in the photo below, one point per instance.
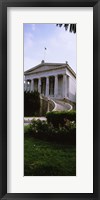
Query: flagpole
45,53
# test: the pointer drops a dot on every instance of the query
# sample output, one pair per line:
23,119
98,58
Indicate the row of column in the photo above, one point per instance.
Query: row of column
31,88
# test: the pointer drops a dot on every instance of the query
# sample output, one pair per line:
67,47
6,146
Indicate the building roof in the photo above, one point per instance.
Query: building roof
29,71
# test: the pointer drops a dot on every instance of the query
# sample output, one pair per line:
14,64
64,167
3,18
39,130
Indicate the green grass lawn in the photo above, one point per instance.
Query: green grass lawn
46,159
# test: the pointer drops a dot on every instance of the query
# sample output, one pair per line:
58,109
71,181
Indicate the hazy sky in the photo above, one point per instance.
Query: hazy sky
60,44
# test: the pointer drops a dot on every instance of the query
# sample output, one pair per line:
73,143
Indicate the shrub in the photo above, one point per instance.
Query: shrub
28,129
60,117
31,103
71,115
44,131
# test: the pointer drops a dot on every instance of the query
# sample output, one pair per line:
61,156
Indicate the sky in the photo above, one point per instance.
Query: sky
60,45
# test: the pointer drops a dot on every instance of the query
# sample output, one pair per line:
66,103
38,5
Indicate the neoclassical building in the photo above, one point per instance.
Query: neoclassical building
55,80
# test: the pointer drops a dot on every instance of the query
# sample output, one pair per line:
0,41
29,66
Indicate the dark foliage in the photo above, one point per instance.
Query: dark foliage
60,118
31,103
44,131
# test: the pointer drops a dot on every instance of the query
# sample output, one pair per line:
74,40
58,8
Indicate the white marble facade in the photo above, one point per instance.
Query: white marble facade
56,80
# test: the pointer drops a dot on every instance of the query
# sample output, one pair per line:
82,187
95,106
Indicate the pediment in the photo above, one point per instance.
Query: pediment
43,68
49,67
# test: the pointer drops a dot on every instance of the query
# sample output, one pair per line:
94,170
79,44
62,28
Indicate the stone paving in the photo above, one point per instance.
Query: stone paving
59,105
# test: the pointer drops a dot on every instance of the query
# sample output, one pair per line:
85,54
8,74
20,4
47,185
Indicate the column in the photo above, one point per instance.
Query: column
28,86
68,86
39,85
25,85
64,86
47,86
32,85
56,86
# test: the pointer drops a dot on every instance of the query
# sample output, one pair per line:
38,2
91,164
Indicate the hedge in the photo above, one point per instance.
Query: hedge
31,103
44,131
59,118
